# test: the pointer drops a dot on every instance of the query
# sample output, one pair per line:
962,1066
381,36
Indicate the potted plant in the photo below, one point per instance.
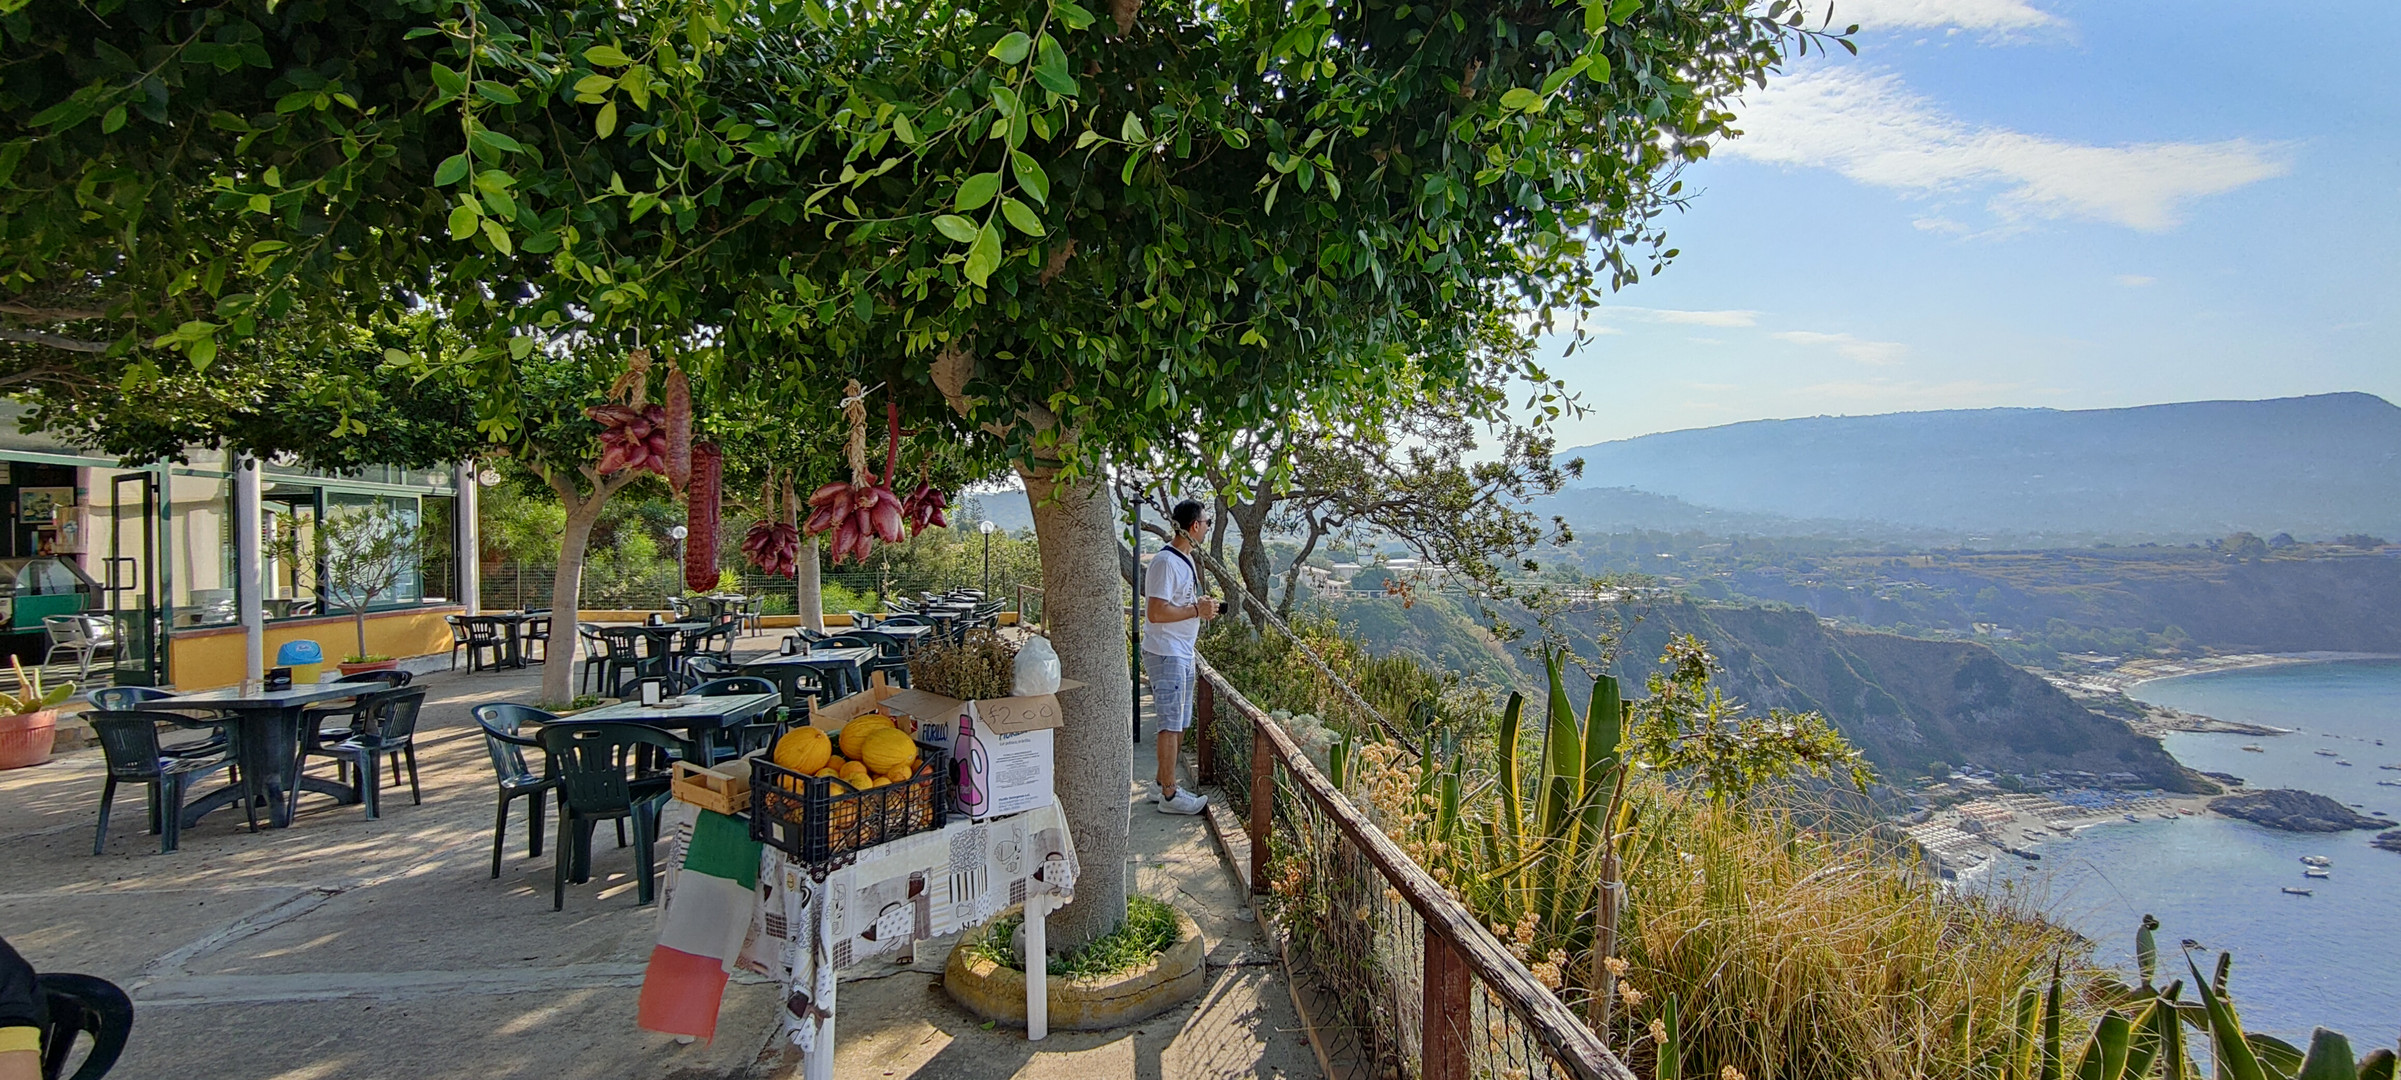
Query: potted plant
368,552
30,722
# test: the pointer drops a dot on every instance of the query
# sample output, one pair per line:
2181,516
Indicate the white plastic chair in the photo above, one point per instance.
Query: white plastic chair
83,635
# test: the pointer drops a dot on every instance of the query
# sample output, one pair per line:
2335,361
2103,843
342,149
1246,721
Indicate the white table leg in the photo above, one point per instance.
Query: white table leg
1037,967
821,1060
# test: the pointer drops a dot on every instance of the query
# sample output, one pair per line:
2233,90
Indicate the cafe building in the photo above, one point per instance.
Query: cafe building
204,568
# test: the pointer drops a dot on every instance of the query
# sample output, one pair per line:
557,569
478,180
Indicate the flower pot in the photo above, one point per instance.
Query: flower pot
368,665
26,737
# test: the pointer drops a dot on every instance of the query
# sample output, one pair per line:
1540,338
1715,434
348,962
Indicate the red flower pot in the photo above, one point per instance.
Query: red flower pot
26,737
371,665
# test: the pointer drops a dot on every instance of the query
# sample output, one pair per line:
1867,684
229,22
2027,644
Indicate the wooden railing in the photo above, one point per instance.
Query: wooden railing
1423,988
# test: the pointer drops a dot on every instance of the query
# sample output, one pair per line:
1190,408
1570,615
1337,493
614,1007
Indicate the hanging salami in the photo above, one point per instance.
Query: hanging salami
701,507
679,429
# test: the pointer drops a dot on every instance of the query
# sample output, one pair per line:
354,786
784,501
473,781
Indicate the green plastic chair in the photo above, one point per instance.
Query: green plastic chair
597,765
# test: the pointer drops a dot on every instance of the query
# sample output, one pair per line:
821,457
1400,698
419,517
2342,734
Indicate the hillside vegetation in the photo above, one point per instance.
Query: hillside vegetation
2321,465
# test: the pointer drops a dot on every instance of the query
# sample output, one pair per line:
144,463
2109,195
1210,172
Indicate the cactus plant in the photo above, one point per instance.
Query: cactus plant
31,696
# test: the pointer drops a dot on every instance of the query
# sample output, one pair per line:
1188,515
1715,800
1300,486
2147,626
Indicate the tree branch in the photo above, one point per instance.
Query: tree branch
55,341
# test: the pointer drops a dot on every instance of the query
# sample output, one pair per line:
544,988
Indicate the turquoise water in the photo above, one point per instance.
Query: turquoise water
2332,958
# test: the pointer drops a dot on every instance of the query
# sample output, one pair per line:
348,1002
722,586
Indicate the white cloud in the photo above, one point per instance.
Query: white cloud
1867,126
1874,353
2136,281
1989,16
1685,318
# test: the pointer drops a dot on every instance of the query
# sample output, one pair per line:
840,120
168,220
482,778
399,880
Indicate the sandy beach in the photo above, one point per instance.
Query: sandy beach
1967,837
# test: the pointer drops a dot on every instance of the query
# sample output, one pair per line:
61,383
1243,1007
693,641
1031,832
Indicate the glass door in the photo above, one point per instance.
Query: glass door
130,578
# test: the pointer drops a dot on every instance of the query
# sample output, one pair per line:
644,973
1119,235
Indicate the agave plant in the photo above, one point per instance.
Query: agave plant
2140,1034
31,697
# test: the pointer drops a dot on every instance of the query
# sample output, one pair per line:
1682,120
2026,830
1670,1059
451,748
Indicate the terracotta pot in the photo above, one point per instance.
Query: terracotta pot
26,737
371,665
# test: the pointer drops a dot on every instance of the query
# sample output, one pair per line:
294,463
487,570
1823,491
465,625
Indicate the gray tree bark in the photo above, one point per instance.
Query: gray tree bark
566,588
1075,526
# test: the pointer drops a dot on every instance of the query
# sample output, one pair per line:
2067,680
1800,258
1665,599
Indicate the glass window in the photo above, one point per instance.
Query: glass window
410,587
441,548
200,550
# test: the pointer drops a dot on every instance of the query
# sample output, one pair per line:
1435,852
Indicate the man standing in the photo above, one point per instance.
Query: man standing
1175,610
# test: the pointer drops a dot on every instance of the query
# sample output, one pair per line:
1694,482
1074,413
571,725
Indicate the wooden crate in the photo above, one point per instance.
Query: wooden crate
710,789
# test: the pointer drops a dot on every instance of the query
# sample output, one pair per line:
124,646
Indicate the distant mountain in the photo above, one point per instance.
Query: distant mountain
2322,465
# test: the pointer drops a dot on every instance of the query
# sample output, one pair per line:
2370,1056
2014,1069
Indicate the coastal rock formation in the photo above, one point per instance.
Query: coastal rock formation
1906,702
2389,841
2294,811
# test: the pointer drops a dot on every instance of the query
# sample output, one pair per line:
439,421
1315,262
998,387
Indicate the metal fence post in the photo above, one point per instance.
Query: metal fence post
1263,795
1445,1017
1204,732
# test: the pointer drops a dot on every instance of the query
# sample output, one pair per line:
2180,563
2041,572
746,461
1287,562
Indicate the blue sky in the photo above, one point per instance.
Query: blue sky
2030,202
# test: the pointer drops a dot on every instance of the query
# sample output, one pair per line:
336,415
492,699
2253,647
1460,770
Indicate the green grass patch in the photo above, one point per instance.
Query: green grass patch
1149,928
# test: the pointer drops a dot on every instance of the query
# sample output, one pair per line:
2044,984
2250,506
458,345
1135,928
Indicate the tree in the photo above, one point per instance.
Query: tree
368,551
1089,236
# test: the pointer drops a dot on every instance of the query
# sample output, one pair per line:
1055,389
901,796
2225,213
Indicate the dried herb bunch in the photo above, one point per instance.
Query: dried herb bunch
982,665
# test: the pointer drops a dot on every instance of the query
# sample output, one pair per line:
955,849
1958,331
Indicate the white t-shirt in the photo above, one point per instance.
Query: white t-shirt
1170,578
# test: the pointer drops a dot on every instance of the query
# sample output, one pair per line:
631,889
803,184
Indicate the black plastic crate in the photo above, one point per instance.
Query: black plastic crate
821,821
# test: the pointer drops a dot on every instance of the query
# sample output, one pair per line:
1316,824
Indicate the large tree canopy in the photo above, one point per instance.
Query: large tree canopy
1083,233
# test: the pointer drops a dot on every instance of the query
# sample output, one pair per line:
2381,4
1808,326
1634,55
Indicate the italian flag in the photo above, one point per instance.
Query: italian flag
701,930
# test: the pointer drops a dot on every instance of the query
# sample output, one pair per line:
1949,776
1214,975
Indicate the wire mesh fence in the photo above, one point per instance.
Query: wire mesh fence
1404,981
519,586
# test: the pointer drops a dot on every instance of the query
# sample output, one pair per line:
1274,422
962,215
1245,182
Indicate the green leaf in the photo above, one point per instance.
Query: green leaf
520,347
202,352
114,119
1623,10
1057,80
978,190
496,92
1271,196
1236,138
499,236
1132,130
451,83
1012,49
606,56
1072,14
984,257
1520,99
595,84
1022,216
1088,138
606,122
956,227
462,222
452,170
1030,176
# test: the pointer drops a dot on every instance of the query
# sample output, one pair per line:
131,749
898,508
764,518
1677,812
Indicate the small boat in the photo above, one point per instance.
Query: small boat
2317,872
2186,811
2388,783
2316,860
2340,761
2254,748
2298,892
2168,814
2131,817
2325,753
2395,768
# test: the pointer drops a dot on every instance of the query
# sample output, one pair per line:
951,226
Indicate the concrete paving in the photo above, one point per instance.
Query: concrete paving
343,947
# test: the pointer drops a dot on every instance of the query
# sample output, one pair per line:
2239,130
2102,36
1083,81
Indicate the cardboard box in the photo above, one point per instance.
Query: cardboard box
831,716
1000,748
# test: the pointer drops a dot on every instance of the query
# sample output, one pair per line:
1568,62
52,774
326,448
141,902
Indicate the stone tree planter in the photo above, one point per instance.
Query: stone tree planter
26,737
1081,1004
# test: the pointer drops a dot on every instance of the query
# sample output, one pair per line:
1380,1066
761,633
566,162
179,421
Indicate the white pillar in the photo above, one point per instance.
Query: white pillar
249,590
466,538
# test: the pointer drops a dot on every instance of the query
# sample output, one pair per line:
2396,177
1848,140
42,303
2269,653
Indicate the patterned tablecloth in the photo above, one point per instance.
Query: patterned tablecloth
801,931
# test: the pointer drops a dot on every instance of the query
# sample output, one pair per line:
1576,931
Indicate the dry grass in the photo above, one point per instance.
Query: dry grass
1800,956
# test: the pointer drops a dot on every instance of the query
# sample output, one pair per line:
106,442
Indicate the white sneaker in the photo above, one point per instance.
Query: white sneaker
1183,802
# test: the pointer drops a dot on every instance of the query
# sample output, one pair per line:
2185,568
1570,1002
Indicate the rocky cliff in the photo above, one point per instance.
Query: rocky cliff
2294,811
1909,704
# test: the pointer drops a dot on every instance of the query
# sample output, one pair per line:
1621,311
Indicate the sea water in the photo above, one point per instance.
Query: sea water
2331,959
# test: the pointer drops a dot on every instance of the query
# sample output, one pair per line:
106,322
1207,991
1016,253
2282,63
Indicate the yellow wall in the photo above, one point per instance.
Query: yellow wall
203,659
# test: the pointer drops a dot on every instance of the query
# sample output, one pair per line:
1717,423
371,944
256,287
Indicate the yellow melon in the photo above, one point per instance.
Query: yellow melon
885,750
907,769
803,750
854,774
827,771
854,734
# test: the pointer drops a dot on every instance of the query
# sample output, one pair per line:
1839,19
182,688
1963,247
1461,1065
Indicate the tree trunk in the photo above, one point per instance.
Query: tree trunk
811,607
1075,526
566,589
1251,520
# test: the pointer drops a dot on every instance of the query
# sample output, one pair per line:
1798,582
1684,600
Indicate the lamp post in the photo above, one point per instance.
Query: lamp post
677,533
987,528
